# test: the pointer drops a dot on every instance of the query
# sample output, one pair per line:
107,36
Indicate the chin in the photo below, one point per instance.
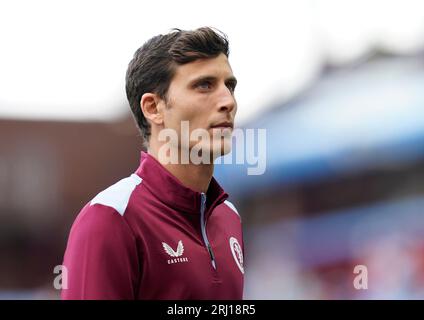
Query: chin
222,148
209,152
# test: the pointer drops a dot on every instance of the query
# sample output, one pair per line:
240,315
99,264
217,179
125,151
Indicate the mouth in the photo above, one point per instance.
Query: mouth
223,125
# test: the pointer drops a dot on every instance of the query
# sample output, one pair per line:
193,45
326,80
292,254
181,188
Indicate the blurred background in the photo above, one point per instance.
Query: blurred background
338,86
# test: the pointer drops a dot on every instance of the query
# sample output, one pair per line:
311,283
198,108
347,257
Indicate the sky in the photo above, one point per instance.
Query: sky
66,60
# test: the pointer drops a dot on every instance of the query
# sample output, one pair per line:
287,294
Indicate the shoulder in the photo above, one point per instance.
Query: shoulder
118,195
231,206
103,216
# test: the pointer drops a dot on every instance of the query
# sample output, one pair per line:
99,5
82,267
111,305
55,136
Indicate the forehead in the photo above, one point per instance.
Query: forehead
218,67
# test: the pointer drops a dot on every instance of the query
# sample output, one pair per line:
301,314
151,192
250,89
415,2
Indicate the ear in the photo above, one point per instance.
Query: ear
150,105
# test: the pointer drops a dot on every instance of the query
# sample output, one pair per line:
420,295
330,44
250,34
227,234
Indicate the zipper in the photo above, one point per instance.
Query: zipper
203,228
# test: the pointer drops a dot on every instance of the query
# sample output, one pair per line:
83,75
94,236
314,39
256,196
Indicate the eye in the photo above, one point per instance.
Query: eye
204,85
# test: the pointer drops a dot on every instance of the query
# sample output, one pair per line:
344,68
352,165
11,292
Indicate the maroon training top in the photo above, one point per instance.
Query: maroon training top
149,237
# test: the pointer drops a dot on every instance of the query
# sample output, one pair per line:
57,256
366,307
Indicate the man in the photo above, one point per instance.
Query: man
167,231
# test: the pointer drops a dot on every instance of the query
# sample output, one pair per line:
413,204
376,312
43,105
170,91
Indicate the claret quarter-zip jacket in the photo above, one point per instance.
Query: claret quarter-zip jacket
149,237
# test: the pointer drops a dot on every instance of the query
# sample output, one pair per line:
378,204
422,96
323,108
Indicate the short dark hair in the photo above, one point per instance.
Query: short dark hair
154,63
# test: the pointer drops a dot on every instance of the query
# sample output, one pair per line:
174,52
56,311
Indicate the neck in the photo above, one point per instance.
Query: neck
194,176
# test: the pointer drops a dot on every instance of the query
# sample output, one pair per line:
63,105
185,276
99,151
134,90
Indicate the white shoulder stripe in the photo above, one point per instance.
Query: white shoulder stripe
118,195
229,204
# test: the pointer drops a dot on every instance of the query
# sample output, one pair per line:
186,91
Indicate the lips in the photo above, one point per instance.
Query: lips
223,125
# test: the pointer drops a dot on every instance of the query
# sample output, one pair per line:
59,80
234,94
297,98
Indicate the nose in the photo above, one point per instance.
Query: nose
227,101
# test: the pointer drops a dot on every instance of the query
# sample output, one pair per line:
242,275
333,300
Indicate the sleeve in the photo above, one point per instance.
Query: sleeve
101,257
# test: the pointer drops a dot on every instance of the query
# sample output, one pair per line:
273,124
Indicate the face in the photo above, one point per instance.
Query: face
202,93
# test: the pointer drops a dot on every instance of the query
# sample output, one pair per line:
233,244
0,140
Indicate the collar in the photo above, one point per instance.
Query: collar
168,189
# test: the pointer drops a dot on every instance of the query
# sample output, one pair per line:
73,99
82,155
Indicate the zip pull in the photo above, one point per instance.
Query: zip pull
212,256
203,229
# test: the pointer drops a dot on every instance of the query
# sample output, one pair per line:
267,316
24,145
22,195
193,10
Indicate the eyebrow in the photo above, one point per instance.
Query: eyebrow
212,78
